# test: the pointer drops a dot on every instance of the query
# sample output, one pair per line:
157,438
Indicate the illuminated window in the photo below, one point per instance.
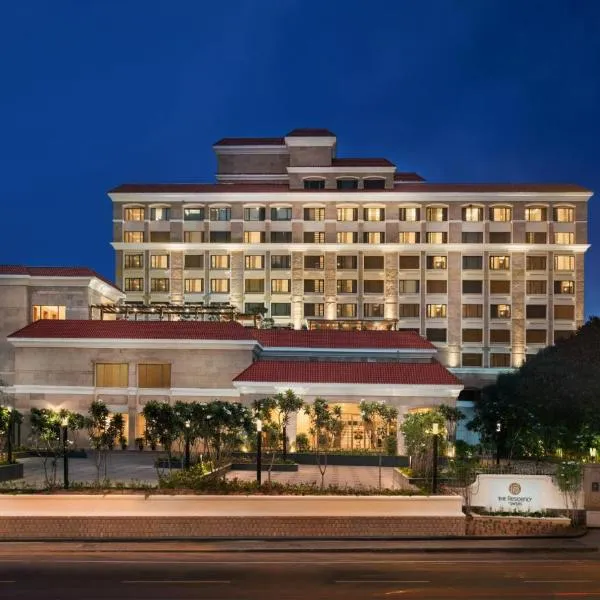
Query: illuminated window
346,262
314,237
437,262
564,262
314,184
54,313
564,287
564,214
436,311
112,375
472,213
314,309
280,286
160,213
254,214
219,286
436,213
193,214
346,286
347,214
159,285
346,237
254,237
410,214
159,261
373,311
133,237
154,376
408,311
134,261
535,237
314,214
314,286
254,262
193,237
219,261
194,261
436,237
408,286
374,214
564,238
194,286
500,311
134,284
220,214
254,286
347,184
535,214
502,214
373,237
134,214
346,311
408,237
499,263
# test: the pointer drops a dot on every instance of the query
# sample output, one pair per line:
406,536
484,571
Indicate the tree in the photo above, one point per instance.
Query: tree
381,420
104,430
161,427
326,425
258,312
9,417
569,478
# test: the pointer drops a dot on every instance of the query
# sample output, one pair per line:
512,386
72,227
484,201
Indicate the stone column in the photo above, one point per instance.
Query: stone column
400,447
291,432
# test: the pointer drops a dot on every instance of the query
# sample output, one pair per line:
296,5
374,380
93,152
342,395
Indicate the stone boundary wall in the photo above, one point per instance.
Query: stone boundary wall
401,482
482,525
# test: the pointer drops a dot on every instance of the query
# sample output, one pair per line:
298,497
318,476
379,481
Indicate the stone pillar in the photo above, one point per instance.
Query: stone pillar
236,281
297,290
132,432
291,432
176,265
400,447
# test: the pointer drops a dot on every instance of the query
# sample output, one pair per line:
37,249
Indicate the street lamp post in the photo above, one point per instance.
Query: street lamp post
9,455
187,444
258,451
65,444
498,431
435,429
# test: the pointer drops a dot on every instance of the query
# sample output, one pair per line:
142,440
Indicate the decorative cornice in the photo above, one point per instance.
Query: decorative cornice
126,344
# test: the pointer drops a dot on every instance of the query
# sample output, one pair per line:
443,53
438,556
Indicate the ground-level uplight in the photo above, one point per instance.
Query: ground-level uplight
65,445
258,451
435,430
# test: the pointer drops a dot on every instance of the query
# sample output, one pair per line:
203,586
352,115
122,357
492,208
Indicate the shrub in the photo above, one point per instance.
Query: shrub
302,443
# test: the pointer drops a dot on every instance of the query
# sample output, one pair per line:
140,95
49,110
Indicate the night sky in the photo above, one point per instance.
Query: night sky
98,93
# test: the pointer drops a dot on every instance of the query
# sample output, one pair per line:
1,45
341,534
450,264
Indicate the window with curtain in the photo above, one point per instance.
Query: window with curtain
112,375
156,376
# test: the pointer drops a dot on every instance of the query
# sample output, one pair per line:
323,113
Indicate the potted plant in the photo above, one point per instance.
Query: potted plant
139,442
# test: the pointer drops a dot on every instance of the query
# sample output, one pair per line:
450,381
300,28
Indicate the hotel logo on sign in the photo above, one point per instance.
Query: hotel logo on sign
514,489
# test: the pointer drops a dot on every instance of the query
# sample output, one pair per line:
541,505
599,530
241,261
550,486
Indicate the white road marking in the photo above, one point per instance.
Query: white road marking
559,581
170,581
380,581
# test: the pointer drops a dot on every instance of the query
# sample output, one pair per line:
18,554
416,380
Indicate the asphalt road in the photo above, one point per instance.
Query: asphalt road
241,576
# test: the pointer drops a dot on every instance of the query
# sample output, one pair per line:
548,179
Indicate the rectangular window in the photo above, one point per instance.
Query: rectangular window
281,261
472,213
500,336
314,286
437,262
472,286
535,311
436,213
500,237
472,335
346,237
564,237
500,286
53,313
160,237
408,311
374,214
373,311
154,376
193,214
408,286
435,334
408,263
502,214
373,286
314,237
535,336
347,184
194,286
410,214
133,237
112,375
160,213
134,261
536,214
564,311
220,214
564,214
254,237
499,361
314,309
160,285
315,262
373,237
470,359
535,237
281,237
314,214
562,334
564,262
374,183
472,263
193,237
536,263
564,287
220,237
134,214
409,237
281,309
535,287
374,263
437,311
346,311
279,213
254,286
159,261
499,263
254,262
134,284
472,237
314,184
499,311
347,214
219,261
437,286
436,237
219,286
472,311
346,286
280,286
254,214
254,308
194,261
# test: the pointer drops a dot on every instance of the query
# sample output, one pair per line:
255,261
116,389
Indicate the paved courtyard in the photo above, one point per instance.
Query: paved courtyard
138,467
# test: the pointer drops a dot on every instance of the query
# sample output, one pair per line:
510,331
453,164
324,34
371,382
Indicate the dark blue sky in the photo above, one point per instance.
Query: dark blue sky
94,94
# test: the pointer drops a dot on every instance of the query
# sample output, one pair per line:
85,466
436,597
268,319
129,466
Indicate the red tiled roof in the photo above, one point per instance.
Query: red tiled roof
310,133
324,338
53,272
361,162
238,141
407,177
425,187
390,373
139,330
